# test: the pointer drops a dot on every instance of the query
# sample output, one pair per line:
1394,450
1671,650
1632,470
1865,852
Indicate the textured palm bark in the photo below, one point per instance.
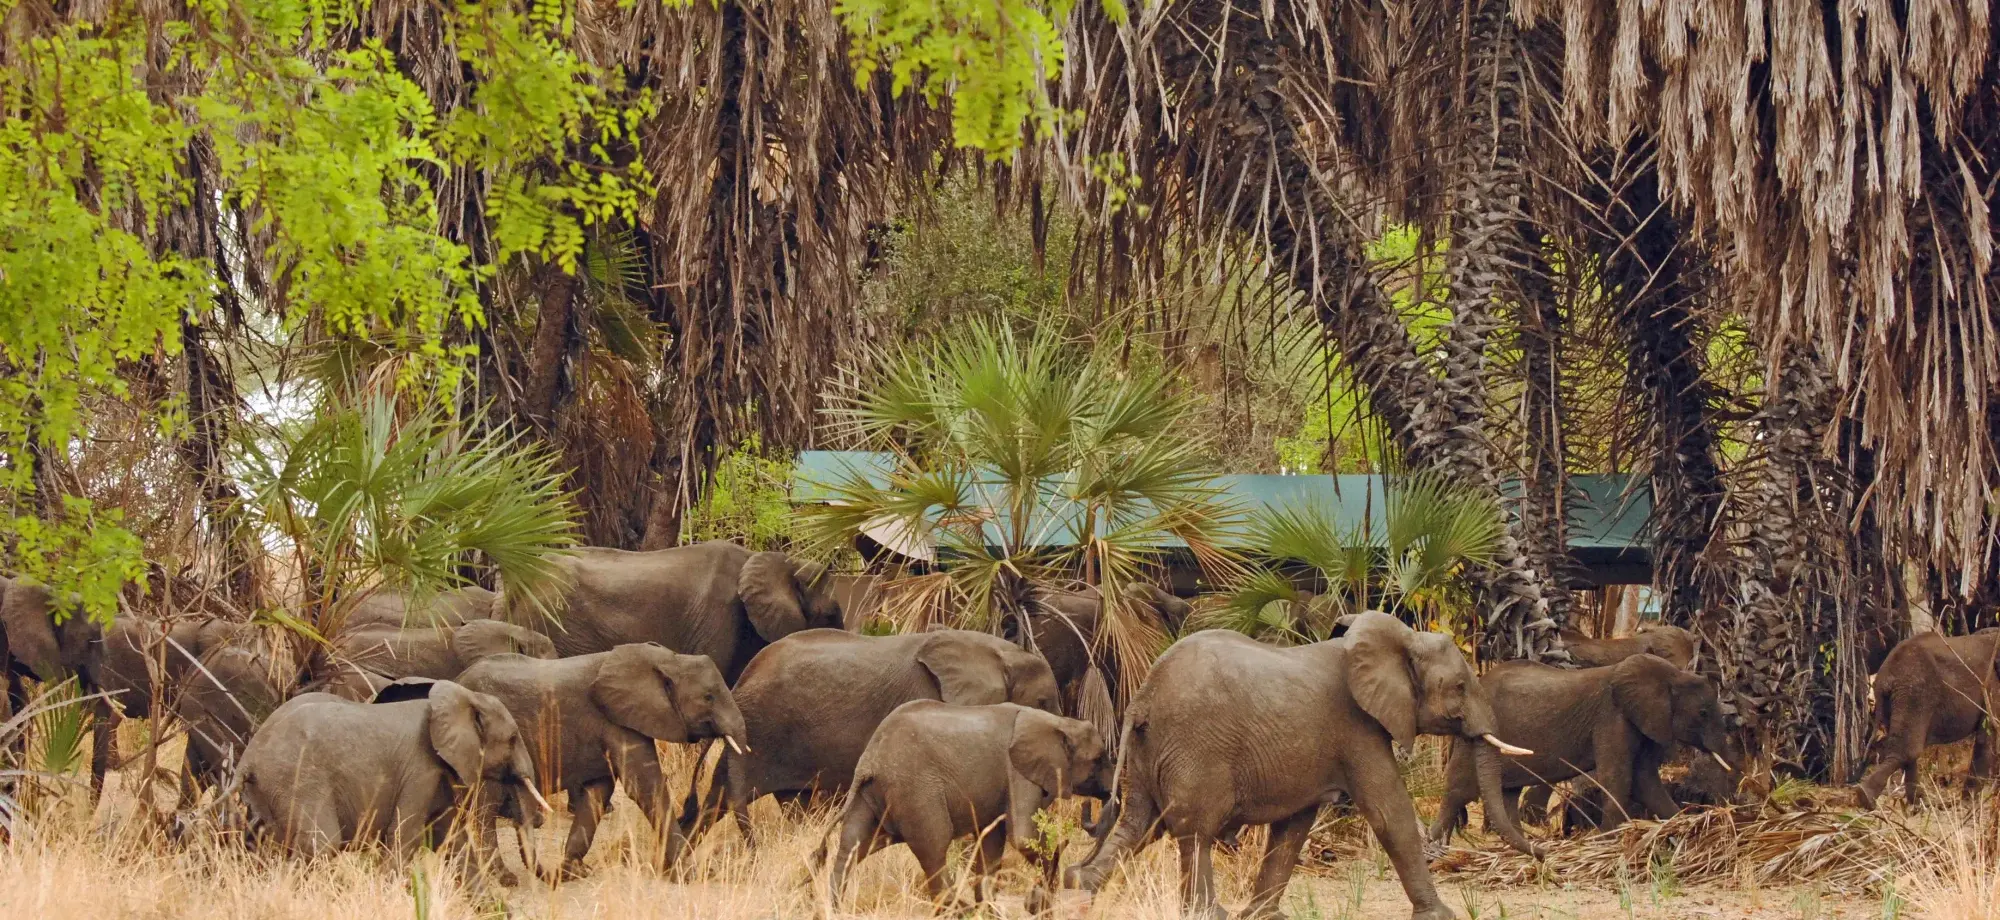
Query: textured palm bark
1651,277
1487,257
1541,515
1790,505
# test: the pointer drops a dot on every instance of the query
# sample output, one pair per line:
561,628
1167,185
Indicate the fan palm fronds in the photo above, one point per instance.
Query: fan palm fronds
365,498
1020,462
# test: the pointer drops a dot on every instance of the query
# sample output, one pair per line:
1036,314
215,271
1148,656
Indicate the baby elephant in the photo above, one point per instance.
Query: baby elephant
934,772
323,772
594,718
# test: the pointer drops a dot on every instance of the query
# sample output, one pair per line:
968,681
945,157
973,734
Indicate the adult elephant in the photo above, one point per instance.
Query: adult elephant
34,646
1064,628
716,599
811,701
1617,724
1933,689
593,719
436,652
1227,732
446,609
220,706
1672,643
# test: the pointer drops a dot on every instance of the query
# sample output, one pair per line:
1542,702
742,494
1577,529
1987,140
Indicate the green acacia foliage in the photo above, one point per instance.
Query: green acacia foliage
994,58
325,161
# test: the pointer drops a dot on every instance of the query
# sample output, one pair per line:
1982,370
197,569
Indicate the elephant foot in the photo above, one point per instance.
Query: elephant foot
571,870
1087,877
1434,912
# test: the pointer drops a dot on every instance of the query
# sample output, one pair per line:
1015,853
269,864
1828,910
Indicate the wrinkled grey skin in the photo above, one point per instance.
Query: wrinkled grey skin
1672,643
445,608
934,772
436,652
716,599
593,719
812,700
220,707
1933,689
1065,632
324,773
1227,732
1706,781
1618,724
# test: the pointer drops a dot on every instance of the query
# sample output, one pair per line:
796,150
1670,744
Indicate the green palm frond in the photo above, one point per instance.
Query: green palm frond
368,498
1023,461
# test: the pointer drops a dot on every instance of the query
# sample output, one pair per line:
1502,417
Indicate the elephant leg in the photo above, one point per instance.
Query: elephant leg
1982,758
861,833
1533,806
1651,793
740,793
1281,856
103,744
991,848
926,827
1138,821
1384,801
638,768
1198,878
1617,762
585,810
484,833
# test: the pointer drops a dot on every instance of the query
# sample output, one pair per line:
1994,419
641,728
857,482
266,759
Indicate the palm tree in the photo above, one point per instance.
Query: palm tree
1021,462
1409,564
365,498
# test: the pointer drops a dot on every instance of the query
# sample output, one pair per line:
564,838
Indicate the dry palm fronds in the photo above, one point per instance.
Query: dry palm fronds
1842,851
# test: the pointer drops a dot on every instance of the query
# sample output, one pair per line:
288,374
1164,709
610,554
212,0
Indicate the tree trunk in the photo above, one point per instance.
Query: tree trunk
1486,262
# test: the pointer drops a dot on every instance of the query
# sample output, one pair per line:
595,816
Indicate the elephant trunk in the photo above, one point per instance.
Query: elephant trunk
1492,797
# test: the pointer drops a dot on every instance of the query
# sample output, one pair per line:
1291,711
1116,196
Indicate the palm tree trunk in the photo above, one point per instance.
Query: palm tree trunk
1488,259
1542,515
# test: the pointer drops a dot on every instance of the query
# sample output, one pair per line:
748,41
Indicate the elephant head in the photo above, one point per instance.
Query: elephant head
1419,683
972,673
783,595
480,638
476,737
667,696
28,629
1172,609
1049,757
1669,706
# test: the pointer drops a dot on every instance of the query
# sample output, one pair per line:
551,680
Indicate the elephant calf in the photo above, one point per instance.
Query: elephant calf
934,772
1618,724
1933,689
323,772
812,699
593,718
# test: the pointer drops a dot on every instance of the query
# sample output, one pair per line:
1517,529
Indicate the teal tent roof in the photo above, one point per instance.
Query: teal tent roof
1606,512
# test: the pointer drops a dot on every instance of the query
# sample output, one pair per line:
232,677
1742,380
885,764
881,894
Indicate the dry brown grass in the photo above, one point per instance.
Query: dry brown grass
1819,861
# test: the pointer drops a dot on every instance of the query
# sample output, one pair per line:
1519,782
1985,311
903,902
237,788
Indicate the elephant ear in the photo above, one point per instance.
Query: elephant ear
1378,674
967,674
634,688
1042,751
454,728
770,592
1642,687
480,638
29,627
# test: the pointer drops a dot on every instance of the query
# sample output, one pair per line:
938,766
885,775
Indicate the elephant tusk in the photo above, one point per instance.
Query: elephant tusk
739,747
1724,763
536,794
1504,747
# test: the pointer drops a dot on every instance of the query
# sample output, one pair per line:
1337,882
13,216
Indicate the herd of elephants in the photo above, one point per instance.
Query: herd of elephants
411,721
